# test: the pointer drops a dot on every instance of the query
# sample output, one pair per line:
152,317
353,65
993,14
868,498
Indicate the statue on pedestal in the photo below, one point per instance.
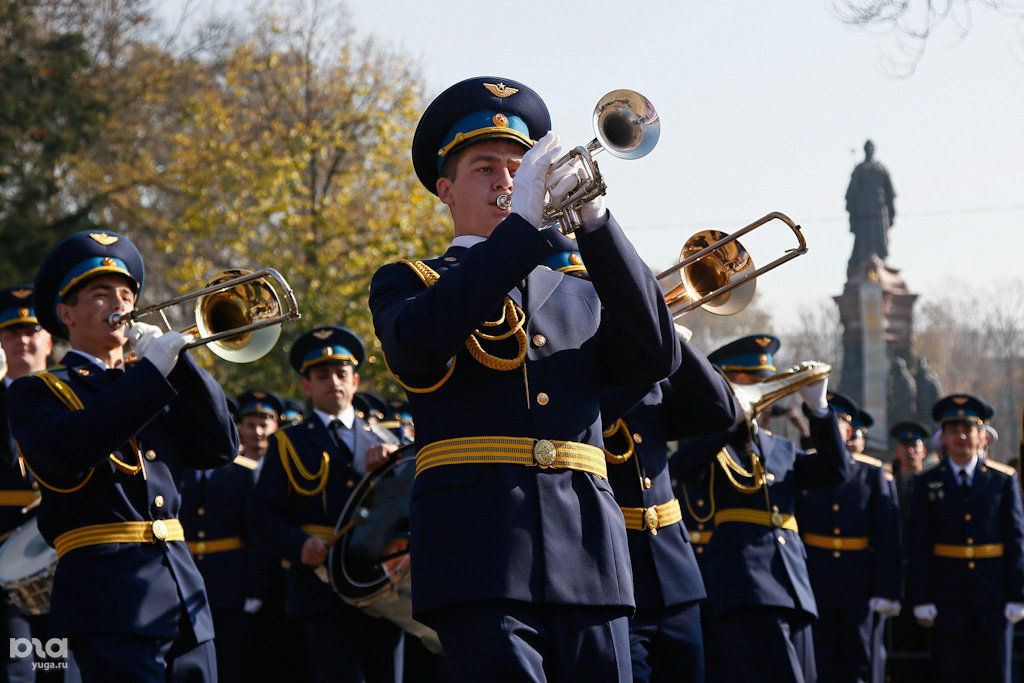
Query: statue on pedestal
869,201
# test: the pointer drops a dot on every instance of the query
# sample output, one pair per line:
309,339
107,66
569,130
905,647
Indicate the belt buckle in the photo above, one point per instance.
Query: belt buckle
837,543
776,519
696,536
160,530
969,552
544,453
651,520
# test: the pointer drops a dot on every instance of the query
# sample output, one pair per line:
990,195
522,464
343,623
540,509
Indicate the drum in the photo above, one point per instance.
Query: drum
27,564
369,563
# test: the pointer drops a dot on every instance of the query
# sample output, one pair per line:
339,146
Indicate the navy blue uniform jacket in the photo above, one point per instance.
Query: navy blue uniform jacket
992,514
11,479
278,511
751,564
180,422
864,505
695,400
217,509
504,531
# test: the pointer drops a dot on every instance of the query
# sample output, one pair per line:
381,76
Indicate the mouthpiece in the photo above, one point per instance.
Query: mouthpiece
503,201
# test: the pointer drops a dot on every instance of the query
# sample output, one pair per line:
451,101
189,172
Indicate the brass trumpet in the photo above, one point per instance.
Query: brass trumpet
754,398
716,273
238,313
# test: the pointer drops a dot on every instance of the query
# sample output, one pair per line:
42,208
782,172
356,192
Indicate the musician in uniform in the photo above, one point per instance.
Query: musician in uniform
294,413
907,460
852,536
215,516
757,574
309,473
519,553
26,346
966,544
107,444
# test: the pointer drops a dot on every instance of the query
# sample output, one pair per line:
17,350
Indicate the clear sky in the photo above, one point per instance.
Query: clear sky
765,107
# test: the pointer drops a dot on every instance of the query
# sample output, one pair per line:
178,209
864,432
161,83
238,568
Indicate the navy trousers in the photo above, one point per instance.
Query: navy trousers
848,645
141,659
971,645
507,640
233,641
770,644
348,645
666,644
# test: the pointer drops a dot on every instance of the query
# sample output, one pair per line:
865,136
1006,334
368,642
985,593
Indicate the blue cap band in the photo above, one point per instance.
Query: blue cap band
747,362
92,266
15,316
336,353
491,124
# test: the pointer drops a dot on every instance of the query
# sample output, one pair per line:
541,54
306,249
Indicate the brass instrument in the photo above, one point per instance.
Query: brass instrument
716,273
754,398
238,313
627,125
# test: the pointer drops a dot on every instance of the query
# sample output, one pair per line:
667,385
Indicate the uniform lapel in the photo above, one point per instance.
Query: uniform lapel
540,284
85,372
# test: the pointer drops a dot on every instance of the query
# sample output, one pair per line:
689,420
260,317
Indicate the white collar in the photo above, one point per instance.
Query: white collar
92,359
968,468
7,381
347,417
468,241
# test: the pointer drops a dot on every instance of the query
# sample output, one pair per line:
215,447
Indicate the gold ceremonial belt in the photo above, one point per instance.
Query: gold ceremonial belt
217,545
836,542
653,518
773,519
513,450
320,530
17,497
119,532
967,552
700,537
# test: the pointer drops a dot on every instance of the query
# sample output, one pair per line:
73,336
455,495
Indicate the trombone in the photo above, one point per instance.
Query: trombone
716,273
238,312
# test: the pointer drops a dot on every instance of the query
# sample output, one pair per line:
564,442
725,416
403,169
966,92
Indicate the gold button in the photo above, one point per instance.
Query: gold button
775,508
970,565
781,540
151,454
967,517
637,438
542,399
700,526
159,530
770,476
970,541
539,340
700,549
350,483
835,507
201,534
836,553
35,485
201,511
647,482
836,531
544,452
700,502
158,501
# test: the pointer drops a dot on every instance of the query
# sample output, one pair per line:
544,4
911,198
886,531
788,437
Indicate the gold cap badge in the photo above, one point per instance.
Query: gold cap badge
763,341
500,90
960,400
22,293
103,238
23,312
328,350
323,334
107,261
764,359
259,394
575,259
500,120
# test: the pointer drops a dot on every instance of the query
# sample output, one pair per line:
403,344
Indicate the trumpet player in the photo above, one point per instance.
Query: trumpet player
757,576
519,554
107,445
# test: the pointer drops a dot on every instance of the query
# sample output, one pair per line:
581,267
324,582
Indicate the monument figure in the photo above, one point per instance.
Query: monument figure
869,201
902,389
928,389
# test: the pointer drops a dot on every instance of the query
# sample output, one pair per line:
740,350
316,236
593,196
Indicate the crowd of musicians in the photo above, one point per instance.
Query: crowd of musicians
591,500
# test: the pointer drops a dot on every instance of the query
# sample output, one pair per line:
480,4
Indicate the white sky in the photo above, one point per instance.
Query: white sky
765,106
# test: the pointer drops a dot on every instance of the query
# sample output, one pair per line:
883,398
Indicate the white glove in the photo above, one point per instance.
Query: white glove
684,333
139,331
814,396
887,608
925,614
162,349
3,363
1014,612
531,183
252,605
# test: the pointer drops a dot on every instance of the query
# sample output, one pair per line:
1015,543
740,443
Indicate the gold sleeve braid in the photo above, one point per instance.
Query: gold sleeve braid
71,401
511,314
620,427
289,457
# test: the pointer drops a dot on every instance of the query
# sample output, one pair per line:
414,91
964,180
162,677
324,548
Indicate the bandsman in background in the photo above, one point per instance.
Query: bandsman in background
852,536
257,415
908,460
967,550
294,413
108,445
503,362
310,471
215,516
370,407
757,573
24,346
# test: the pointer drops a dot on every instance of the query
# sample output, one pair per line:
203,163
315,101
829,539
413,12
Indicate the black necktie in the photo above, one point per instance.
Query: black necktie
341,434
965,488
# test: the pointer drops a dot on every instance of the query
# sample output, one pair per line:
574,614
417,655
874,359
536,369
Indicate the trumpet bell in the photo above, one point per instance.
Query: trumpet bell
626,124
754,398
713,271
237,307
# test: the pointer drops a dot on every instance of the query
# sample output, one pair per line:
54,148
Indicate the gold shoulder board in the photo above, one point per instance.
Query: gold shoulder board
867,460
999,467
246,462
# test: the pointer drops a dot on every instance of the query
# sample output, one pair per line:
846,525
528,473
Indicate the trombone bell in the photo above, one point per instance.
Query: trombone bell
236,308
708,274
